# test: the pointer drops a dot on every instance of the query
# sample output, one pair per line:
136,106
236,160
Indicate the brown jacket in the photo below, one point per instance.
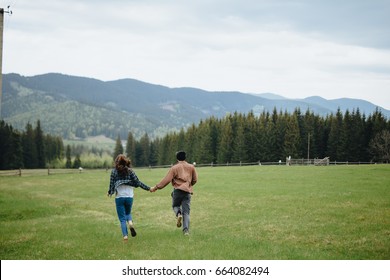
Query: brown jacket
182,176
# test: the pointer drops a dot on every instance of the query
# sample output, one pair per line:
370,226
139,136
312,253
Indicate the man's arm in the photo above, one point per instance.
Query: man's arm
165,181
194,177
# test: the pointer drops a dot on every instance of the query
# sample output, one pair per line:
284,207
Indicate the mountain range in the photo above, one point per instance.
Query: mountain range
78,107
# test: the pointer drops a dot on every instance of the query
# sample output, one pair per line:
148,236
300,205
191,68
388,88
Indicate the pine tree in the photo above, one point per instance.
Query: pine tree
181,141
375,124
355,137
10,147
279,135
320,135
292,137
144,153
173,147
204,144
336,137
163,151
68,163
40,144
269,139
251,138
130,147
30,157
16,151
118,147
153,157
189,143
226,140
77,162
4,142
60,148
306,134
239,148
380,146
11,156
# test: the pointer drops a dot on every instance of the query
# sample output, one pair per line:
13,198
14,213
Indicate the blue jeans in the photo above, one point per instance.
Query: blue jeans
123,209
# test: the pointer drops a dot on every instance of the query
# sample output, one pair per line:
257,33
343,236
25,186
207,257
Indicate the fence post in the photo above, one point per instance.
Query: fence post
20,172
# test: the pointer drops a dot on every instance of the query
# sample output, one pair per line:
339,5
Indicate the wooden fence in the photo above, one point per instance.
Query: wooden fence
288,162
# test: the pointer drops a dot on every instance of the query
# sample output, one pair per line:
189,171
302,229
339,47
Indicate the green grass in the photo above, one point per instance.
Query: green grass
255,212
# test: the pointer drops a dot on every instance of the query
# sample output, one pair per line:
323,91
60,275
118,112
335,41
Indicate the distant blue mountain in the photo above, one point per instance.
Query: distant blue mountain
346,104
80,107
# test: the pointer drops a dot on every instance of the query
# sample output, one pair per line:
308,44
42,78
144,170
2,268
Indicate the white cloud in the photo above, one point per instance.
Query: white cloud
292,48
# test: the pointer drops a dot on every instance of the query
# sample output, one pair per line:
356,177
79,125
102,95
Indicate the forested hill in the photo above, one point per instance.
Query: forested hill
71,106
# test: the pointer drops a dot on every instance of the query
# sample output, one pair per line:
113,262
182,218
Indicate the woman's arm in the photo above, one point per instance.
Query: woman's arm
111,187
135,182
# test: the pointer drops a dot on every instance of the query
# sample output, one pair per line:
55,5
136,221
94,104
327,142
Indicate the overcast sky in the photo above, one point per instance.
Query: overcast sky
295,48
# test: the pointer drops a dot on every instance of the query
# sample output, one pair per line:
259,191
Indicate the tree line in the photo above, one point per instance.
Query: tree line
237,137
29,149
269,137
33,148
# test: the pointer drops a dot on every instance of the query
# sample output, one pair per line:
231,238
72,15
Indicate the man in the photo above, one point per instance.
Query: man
183,177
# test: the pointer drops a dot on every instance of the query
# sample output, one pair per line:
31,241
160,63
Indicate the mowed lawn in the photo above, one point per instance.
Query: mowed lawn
244,213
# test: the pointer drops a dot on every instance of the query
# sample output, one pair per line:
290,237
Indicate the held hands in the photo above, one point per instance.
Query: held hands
154,189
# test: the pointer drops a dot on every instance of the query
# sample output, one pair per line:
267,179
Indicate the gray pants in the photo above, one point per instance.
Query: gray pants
181,202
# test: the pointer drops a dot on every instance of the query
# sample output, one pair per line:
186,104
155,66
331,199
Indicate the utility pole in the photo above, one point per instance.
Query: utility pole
1,52
1,56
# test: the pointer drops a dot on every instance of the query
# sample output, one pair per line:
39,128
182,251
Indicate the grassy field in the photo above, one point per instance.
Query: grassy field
246,213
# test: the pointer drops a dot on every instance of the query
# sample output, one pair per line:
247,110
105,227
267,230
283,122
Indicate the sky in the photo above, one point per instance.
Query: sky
294,48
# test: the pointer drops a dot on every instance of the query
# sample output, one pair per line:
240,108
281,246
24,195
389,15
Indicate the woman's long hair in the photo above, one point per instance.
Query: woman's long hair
122,164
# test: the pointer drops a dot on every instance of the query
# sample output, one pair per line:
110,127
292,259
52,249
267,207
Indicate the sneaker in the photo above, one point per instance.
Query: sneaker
186,232
132,231
179,218
125,238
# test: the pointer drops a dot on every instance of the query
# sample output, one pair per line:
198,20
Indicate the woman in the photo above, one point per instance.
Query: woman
122,183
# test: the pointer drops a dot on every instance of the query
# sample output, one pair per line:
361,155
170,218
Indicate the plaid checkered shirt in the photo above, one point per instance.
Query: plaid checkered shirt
130,179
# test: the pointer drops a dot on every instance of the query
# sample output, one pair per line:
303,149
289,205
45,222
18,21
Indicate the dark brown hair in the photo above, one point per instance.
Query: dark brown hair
122,164
181,155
